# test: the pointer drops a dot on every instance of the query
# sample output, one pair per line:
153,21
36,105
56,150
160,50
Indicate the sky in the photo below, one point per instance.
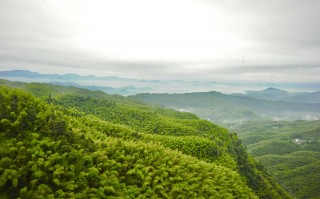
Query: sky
210,40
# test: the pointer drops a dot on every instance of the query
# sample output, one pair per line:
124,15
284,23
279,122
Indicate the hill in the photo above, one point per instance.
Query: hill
282,95
125,90
304,97
66,142
130,86
289,150
268,94
222,108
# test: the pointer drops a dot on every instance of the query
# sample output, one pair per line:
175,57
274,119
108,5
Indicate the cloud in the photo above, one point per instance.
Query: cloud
164,39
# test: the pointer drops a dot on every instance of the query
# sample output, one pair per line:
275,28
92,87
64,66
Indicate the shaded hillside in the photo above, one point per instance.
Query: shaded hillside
290,151
109,147
304,97
222,108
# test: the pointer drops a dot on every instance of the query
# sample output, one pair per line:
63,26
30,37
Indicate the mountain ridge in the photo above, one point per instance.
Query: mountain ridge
223,108
154,86
276,94
83,143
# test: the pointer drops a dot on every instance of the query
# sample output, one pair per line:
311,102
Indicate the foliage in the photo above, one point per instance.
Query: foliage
290,151
99,146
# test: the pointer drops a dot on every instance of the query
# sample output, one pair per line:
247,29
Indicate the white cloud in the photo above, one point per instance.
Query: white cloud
164,39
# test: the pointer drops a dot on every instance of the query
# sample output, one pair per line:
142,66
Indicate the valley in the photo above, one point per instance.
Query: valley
72,142
290,150
144,99
280,137
223,109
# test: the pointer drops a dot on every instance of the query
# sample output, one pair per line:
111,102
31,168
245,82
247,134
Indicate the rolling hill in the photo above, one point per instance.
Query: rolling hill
67,142
223,108
130,86
282,95
289,150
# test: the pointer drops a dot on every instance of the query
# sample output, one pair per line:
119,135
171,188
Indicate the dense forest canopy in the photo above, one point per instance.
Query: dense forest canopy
64,142
289,150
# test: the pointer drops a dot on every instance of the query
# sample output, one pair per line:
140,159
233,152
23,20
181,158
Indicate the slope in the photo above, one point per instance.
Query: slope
79,145
304,97
290,151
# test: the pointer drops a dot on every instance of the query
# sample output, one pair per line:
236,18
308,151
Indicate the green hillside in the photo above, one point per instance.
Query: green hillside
222,108
64,142
290,151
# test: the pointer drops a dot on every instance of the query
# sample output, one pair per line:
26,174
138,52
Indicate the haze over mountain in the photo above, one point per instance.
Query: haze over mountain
268,93
282,95
244,64
128,86
222,108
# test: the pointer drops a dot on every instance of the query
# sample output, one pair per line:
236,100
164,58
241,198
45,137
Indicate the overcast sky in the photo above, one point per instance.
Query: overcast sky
230,40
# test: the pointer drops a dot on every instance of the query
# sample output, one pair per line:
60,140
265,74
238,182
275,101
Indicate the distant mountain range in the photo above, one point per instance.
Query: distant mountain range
282,95
129,86
122,86
125,90
271,103
36,75
222,108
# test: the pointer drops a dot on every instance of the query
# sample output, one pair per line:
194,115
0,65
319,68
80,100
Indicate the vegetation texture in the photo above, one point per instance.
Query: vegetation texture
64,142
290,151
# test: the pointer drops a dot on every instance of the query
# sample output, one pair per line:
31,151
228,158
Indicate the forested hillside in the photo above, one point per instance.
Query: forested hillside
290,151
64,142
222,108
